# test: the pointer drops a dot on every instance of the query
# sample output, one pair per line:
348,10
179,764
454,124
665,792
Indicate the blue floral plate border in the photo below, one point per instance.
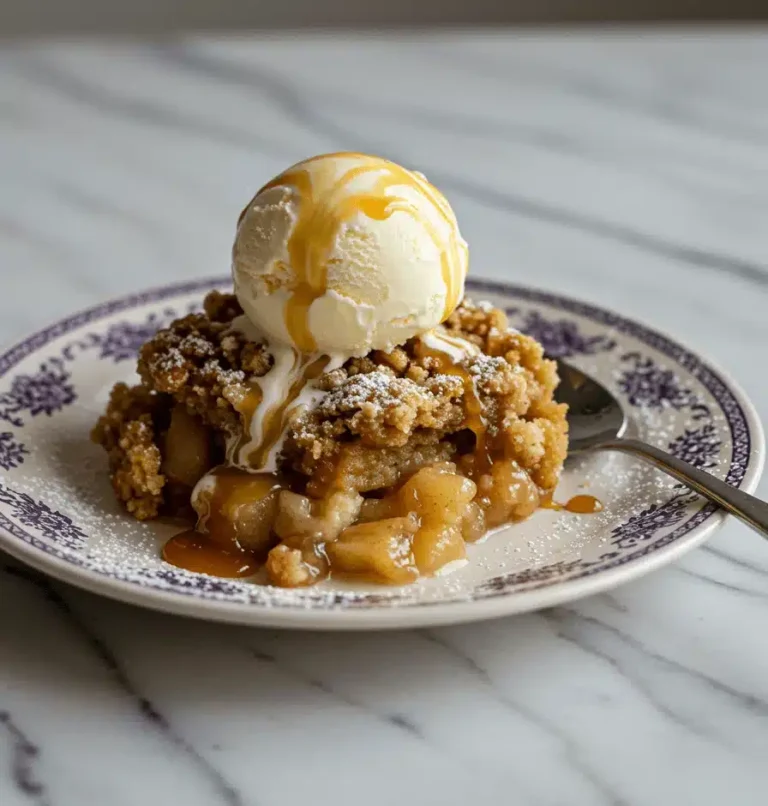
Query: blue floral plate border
51,517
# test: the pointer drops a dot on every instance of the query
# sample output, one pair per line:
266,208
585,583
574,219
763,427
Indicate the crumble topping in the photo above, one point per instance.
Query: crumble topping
384,415
129,433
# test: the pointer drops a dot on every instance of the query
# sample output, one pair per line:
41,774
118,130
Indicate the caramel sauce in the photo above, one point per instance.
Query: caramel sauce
231,489
216,545
321,214
195,552
579,504
246,408
583,505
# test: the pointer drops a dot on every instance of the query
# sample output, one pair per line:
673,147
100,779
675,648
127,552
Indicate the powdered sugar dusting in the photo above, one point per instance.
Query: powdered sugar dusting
378,389
169,360
484,368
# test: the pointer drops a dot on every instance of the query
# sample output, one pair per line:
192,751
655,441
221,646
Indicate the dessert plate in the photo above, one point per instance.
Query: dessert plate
58,514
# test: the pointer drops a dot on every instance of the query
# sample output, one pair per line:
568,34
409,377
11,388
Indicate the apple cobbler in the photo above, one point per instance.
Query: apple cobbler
343,412
397,466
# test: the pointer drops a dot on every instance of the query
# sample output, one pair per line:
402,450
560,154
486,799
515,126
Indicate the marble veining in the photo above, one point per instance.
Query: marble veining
627,169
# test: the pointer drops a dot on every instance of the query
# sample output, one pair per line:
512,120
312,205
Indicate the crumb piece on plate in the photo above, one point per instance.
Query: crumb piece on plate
128,432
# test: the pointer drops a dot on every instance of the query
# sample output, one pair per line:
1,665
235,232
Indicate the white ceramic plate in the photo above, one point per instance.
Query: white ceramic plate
57,511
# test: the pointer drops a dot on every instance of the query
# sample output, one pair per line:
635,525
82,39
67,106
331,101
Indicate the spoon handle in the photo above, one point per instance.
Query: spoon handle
751,510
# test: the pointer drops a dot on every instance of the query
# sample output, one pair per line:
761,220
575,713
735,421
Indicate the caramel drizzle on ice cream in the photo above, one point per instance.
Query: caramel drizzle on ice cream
321,215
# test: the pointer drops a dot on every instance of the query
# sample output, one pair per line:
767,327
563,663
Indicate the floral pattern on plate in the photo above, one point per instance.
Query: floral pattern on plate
57,511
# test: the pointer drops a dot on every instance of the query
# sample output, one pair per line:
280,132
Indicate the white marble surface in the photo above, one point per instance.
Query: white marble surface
631,170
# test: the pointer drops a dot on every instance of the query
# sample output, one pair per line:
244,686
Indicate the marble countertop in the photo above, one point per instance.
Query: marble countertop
627,169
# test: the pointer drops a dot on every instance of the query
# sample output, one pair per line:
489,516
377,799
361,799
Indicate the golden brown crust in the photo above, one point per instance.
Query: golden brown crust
355,466
384,415
401,400
533,426
204,364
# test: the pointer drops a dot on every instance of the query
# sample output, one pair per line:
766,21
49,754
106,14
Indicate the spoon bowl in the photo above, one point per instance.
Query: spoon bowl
596,421
594,414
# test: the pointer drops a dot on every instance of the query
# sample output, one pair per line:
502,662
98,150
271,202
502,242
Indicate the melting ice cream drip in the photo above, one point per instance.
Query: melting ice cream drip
287,387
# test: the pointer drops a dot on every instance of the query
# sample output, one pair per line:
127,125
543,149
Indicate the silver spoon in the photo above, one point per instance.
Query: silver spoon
597,422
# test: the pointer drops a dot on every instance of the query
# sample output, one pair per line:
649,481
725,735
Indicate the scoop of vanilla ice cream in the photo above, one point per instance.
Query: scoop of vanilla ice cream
344,253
